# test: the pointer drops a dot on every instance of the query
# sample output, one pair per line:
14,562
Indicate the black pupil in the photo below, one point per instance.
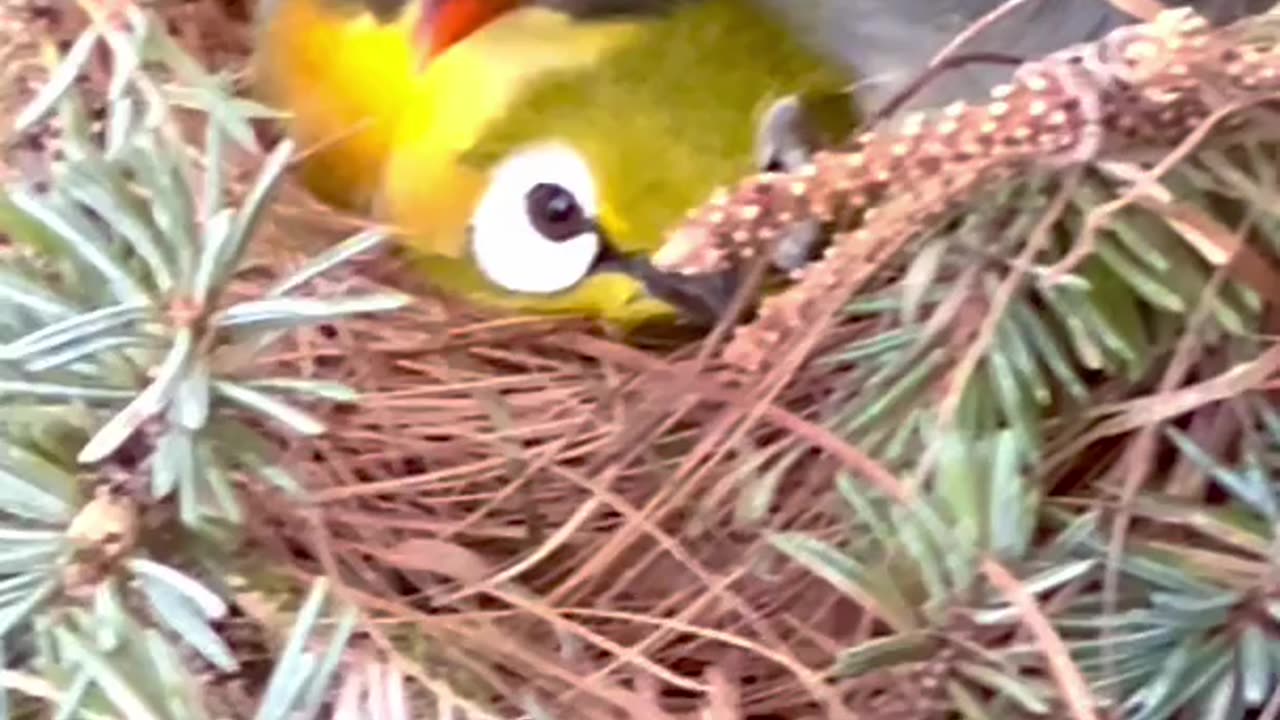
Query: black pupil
554,212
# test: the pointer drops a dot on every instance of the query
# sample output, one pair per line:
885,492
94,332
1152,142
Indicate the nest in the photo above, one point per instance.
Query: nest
566,512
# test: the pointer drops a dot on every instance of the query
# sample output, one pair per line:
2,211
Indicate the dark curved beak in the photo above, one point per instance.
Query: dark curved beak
701,299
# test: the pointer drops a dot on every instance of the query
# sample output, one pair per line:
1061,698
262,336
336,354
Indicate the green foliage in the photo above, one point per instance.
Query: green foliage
1179,616
127,386
1196,619
916,567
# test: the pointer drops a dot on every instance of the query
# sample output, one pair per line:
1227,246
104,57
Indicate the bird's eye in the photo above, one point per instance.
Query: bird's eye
534,229
555,212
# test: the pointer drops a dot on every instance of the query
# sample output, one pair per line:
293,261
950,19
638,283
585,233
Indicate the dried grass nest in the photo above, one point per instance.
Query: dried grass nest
568,514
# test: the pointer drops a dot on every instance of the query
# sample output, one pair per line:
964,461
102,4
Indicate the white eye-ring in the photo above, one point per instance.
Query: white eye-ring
534,230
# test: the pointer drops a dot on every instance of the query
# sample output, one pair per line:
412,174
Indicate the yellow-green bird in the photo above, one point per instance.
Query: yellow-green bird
531,152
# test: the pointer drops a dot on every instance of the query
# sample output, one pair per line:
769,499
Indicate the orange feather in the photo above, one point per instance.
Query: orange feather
448,22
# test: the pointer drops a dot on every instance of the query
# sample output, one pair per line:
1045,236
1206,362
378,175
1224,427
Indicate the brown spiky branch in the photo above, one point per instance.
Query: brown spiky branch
1141,86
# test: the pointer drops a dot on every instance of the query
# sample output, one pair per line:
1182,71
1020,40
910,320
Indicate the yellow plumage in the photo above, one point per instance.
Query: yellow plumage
344,78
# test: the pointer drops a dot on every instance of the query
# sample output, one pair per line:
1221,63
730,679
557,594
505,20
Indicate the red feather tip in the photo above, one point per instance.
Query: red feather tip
445,23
